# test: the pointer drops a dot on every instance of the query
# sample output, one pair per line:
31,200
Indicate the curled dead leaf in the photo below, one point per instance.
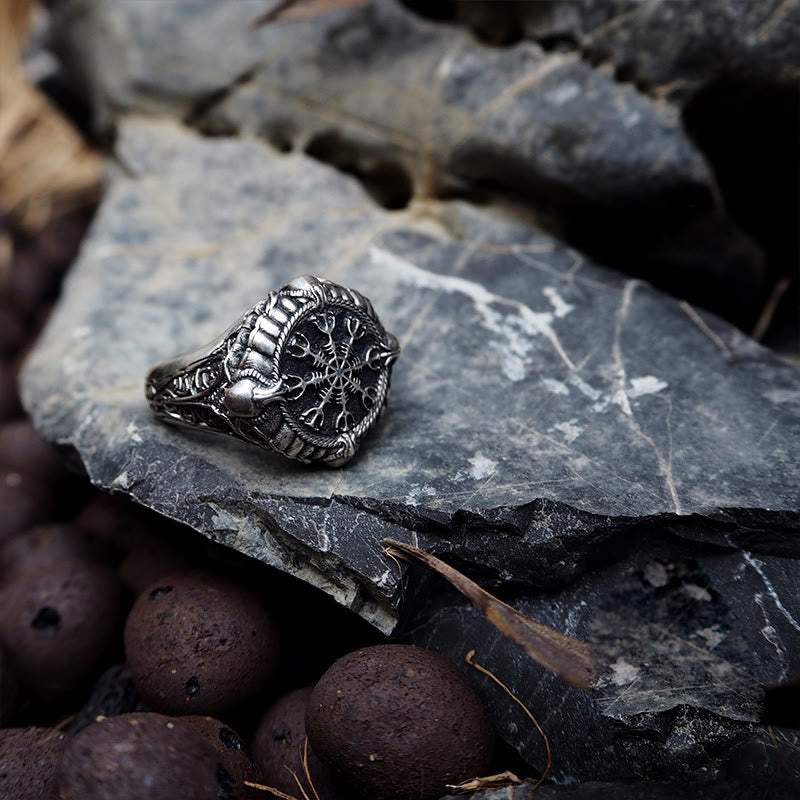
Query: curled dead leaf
573,661
46,168
498,781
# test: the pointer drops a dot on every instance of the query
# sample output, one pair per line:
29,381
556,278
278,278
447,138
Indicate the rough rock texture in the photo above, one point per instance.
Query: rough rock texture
724,790
678,45
526,370
112,695
669,46
662,443
440,114
691,629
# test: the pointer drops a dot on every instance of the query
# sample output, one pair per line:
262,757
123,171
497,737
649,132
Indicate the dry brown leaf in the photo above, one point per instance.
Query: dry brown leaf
302,9
573,661
274,792
498,781
15,19
45,166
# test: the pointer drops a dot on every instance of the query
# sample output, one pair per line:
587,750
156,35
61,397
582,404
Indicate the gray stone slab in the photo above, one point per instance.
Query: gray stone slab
671,47
614,462
376,87
692,619
526,371
723,790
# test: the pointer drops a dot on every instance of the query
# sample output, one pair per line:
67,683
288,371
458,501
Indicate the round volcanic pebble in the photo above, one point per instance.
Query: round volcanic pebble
25,501
150,559
398,723
9,400
197,643
12,331
59,621
278,745
23,449
46,545
29,761
142,756
231,751
9,686
114,518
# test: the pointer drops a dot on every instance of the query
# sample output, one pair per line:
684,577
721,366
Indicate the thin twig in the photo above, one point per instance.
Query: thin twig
770,307
470,660
703,325
307,770
275,792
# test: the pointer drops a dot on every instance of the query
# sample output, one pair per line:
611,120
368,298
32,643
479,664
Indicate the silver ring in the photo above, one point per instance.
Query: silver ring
305,373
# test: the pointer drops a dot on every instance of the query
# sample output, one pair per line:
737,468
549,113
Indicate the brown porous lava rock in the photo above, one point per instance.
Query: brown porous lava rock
150,559
9,401
231,751
22,449
47,545
198,643
142,756
116,519
9,686
398,723
25,501
29,762
59,622
278,746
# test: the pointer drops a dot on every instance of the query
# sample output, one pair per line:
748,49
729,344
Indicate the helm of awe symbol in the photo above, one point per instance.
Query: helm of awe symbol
330,370
304,373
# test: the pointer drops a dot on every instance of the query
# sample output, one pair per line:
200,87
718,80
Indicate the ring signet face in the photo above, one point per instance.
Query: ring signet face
305,373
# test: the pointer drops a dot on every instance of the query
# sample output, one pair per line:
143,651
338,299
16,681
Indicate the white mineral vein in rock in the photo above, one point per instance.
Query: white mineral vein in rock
583,387
516,328
482,467
783,395
648,384
554,386
758,566
560,307
569,429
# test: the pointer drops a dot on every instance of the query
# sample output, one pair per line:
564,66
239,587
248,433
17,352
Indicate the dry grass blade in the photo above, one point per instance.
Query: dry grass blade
498,781
770,307
298,782
45,166
573,661
471,661
274,792
307,771
15,18
302,9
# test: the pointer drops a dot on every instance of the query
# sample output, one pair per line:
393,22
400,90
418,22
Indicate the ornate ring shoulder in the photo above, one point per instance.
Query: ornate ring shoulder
305,373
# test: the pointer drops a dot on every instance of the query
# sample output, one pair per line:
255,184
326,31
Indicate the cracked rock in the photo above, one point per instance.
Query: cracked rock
526,371
616,463
691,625
606,166
724,790
670,47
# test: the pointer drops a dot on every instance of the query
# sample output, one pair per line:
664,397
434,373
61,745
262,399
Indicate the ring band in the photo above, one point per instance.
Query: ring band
305,373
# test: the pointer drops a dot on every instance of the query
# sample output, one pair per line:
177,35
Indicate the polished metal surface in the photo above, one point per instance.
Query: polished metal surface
305,373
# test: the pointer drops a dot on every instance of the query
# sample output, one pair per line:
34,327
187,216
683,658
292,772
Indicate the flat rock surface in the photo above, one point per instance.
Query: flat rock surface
526,371
725,790
691,625
618,464
414,106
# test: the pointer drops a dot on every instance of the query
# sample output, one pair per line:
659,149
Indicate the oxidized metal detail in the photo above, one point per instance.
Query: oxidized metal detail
304,373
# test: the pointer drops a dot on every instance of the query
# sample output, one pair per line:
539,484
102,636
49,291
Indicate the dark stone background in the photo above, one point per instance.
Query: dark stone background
618,462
